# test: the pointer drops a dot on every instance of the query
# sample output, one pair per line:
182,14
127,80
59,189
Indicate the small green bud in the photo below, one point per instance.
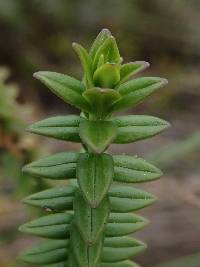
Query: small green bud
107,76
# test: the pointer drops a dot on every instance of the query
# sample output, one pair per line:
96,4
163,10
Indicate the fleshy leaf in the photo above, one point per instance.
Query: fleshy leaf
54,199
100,39
101,101
90,222
121,248
120,224
46,253
97,135
63,87
58,166
103,50
86,63
113,52
85,256
132,128
135,91
107,76
134,170
94,174
59,127
127,199
54,226
131,68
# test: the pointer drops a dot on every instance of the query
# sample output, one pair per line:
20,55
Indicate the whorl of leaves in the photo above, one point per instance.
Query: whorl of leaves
92,218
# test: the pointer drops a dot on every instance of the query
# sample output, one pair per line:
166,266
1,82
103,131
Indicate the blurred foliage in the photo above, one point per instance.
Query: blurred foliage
170,156
14,145
187,261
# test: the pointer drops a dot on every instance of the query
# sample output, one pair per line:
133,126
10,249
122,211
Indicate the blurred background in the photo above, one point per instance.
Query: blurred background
37,35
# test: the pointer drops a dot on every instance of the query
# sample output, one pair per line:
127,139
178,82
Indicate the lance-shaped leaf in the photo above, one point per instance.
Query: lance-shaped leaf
97,135
90,222
85,256
107,75
113,55
63,87
86,62
109,50
101,101
126,199
46,253
51,226
59,166
137,127
54,199
126,263
134,170
94,173
121,248
131,68
120,224
135,91
100,39
59,127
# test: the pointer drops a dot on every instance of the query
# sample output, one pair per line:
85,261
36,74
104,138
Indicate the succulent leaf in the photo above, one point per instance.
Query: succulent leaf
131,68
94,175
101,101
97,135
100,39
135,91
59,166
107,75
62,86
59,127
132,128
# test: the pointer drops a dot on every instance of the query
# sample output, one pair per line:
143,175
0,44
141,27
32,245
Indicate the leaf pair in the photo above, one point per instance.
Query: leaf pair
127,95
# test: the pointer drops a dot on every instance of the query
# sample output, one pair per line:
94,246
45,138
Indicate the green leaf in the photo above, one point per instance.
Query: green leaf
113,52
131,68
103,50
94,173
86,63
100,39
127,199
101,61
97,135
46,253
126,263
107,76
132,128
58,166
85,256
63,87
54,199
120,224
134,170
101,101
59,127
90,222
121,248
54,226
135,91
